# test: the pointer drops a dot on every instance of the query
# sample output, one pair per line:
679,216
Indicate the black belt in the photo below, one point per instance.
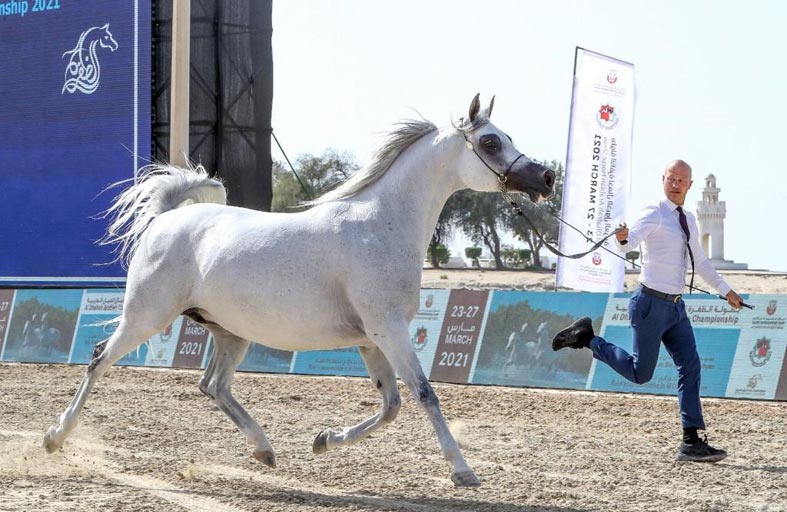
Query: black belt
661,295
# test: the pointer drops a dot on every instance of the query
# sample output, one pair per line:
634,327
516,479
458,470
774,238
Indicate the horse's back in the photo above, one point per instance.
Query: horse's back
253,272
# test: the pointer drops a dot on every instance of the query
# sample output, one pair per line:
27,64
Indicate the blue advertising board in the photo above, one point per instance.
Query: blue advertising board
506,333
75,117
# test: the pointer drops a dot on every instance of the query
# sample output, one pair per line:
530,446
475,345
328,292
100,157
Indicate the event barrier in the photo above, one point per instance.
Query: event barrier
466,336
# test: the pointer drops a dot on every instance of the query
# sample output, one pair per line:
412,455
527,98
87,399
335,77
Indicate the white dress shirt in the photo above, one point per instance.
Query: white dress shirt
665,258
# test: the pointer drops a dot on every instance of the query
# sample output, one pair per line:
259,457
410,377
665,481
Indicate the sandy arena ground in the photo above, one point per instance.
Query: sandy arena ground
148,440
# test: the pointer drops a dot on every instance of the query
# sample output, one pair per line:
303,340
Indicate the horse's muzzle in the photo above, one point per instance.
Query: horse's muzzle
533,179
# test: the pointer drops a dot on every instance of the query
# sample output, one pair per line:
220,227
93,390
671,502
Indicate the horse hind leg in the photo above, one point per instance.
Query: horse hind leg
228,353
384,379
105,354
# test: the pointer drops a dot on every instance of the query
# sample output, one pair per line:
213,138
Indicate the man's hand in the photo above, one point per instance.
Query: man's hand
622,233
734,300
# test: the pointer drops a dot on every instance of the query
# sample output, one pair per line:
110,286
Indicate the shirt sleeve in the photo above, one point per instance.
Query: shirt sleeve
702,264
647,222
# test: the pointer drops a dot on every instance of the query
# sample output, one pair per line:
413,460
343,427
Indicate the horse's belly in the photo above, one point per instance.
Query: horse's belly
293,332
288,321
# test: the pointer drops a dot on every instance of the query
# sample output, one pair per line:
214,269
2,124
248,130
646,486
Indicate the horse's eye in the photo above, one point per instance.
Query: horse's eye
490,143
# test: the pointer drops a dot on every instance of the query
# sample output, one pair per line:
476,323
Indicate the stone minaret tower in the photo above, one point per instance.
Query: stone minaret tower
710,217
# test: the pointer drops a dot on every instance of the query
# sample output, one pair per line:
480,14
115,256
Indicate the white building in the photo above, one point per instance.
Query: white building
710,219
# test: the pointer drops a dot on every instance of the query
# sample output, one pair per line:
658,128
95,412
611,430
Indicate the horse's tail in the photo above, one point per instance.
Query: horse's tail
157,188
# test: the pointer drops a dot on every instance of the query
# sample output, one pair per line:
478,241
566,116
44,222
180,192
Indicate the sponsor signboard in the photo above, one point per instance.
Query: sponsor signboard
425,327
459,336
42,327
6,306
342,361
97,315
260,358
192,345
501,337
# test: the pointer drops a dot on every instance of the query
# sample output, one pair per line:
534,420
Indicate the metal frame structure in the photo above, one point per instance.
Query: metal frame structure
230,92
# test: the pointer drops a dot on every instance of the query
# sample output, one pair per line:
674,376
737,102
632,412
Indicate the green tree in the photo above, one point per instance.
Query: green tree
632,256
473,253
516,258
444,227
318,174
480,215
439,253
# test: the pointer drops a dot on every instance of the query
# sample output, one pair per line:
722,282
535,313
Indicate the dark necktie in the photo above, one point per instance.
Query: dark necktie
685,226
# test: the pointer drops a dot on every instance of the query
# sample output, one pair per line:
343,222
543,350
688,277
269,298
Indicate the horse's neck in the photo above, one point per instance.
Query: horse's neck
414,190
93,54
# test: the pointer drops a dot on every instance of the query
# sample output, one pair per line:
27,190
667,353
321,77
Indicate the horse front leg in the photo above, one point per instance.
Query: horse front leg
393,339
383,378
228,353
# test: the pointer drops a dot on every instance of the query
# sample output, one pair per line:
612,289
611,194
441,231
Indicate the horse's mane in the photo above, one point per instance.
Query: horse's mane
398,140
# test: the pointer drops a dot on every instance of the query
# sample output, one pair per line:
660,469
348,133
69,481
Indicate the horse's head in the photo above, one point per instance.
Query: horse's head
105,38
492,158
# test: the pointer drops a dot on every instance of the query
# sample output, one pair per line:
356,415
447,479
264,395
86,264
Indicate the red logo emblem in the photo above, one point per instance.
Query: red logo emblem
597,258
761,352
612,76
167,334
420,339
606,116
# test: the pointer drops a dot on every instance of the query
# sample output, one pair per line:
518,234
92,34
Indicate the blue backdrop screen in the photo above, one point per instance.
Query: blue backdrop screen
74,117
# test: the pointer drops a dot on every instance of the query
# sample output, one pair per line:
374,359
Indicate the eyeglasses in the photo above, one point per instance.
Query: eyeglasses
673,181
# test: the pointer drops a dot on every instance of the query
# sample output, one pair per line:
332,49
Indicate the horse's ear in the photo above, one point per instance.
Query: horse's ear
488,111
475,107
105,27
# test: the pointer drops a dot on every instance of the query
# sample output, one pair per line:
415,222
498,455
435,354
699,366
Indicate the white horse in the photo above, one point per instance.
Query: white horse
548,359
38,337
346,272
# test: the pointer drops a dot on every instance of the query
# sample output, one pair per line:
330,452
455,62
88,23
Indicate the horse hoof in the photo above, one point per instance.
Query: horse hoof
266,457
320,444
50,444
465,479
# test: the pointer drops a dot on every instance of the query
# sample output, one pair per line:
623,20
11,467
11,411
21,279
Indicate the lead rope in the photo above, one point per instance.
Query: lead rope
518,210
502,179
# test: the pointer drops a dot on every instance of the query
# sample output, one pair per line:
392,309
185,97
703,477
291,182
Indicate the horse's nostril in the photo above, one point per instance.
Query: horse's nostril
549,178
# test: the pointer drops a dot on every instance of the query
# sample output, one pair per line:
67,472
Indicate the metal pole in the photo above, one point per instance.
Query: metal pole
179,88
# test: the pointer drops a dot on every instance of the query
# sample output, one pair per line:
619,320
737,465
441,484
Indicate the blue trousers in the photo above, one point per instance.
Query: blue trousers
654,321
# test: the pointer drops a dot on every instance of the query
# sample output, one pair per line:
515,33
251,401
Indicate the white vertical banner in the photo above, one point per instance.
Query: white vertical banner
598,167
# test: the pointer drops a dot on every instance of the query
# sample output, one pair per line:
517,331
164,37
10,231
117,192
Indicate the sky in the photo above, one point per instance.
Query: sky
710,75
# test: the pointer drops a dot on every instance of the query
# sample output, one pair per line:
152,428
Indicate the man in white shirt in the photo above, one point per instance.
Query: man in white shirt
656,309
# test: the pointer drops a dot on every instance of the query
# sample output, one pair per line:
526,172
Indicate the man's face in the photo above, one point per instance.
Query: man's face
677,182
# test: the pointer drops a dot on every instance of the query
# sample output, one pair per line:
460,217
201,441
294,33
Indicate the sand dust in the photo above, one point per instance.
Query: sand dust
148,440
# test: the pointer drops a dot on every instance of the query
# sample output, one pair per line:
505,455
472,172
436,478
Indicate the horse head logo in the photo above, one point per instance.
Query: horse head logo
83,72
106,40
